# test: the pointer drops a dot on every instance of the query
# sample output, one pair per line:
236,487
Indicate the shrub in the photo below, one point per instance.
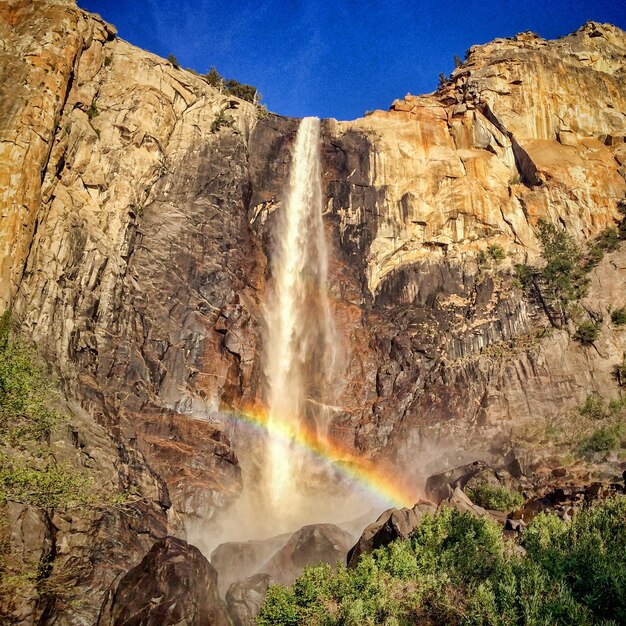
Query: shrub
495,497
618,316
588,555
617,405
456,570
28,471
594,407
496,252
49,485
92,111
587,332
603,440
173,60
620,373
608,239
221,120
26,411
241,90
621,228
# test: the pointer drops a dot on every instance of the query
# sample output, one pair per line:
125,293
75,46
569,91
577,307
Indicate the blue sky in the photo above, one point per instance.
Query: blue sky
337,58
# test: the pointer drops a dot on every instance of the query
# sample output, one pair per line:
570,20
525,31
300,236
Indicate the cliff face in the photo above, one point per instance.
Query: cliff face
137,202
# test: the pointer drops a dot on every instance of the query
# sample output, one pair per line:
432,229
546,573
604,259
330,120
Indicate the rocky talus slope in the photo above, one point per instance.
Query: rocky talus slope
137,203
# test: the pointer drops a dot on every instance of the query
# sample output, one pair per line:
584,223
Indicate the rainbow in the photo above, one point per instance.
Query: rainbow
372,476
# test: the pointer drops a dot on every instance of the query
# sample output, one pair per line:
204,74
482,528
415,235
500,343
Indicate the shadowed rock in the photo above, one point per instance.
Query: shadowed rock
244,598
316,543
238,560
391,525
459,501
440,487
173,584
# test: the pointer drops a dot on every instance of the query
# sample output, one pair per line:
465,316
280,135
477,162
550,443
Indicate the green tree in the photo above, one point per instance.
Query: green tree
243,91
587,332
563,278
215,79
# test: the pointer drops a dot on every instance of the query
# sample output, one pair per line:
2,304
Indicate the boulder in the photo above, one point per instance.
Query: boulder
244,598
517,462
316,543
391,525
173,584
440,487
459,501
238,560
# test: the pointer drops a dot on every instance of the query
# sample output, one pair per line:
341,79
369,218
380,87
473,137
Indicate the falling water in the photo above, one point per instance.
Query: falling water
301,355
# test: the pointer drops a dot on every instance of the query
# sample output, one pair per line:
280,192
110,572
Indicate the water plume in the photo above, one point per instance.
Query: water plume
301,361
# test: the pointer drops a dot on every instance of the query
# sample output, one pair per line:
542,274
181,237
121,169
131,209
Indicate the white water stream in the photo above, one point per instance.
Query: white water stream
301,356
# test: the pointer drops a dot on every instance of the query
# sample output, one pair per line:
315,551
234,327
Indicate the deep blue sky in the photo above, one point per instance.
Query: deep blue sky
337,58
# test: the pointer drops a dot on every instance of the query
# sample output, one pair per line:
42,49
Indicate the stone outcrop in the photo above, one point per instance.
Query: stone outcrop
173,584
244,599
391,525
239,560
57,564
315,543
525,128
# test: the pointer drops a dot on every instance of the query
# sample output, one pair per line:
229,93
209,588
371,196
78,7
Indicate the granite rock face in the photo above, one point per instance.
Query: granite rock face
135,234
173,584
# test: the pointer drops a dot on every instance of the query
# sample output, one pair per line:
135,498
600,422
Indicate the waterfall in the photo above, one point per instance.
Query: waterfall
301,351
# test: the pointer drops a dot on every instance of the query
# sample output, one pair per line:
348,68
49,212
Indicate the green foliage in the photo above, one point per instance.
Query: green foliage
594,407
587,554
621,227
563,279
457,61
222,119
241,90
587,332
28,472
47,484
617,405
456,570
608,239
603,440
173,60
214,78
493,256
495,497
496,252
620,372
443,80
235,88
618,316
92,111
26,413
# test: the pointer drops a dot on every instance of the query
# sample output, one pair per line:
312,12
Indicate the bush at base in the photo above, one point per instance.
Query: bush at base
457,570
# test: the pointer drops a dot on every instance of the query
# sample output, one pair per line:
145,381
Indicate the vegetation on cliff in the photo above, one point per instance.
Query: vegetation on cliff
564,277
457,569
29,472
